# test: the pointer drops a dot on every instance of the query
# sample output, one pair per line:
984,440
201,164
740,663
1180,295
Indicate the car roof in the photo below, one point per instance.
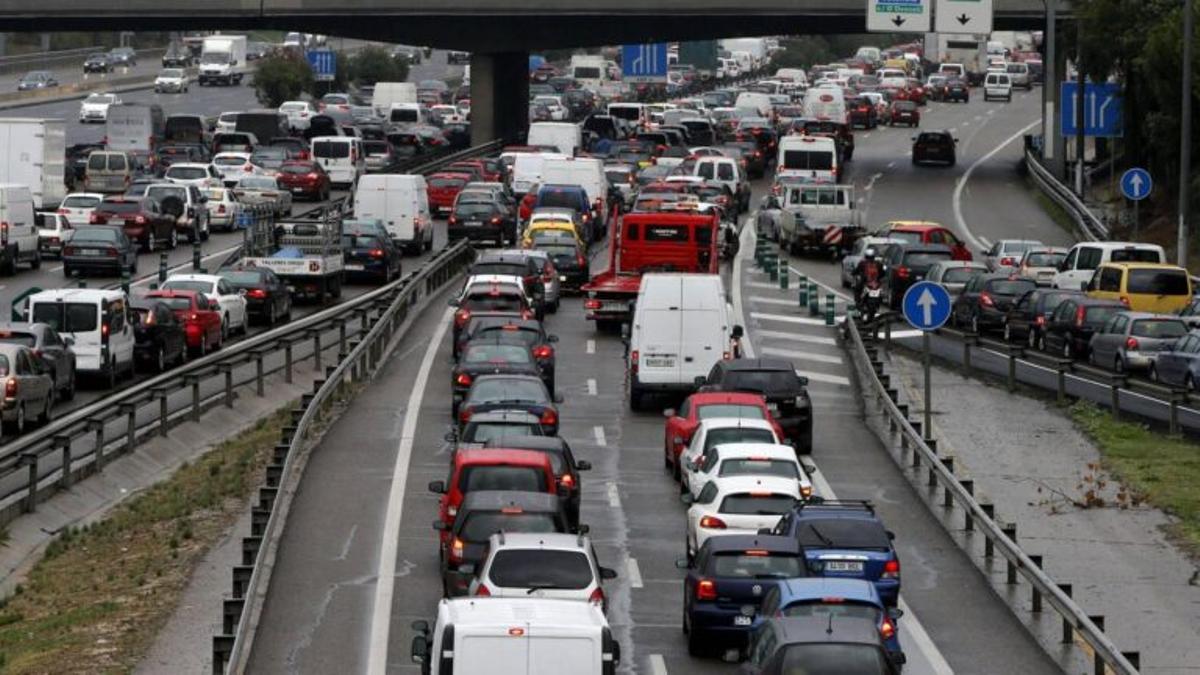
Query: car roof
497,499
765,450
744,542
1143,266
824,629
809,588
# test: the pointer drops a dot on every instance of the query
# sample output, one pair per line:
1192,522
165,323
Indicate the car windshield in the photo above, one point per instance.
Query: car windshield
501,477
1043,259
752,504
508,389
1162,329
1158,282
959,275
832,658
481,525
729,410
540,568
748,466
761,380
172,73
67,317
497,353
842,533
187,172
755,564
716,437
835,607
80,202
188,285
483,432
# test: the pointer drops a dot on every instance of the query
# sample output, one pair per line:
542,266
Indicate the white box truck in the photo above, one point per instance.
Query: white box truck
33,153
222,60
516,636
401,203
589,71
388,93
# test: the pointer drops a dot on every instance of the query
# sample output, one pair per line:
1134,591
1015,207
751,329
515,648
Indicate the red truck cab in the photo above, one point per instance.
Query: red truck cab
492,469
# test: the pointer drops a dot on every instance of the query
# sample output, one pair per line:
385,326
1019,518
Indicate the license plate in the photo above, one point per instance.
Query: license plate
297,190
613,307
660,362
88,251
740,620
773,407
474,223
562,277
354,267
844,566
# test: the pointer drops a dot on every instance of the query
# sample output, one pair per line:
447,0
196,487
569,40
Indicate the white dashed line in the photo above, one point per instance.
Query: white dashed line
614,497
891,164
598,432
804,320
635,574
797,337
658,665
591,346
591,387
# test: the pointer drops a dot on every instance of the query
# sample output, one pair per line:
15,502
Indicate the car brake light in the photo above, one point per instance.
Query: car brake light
706,589
1079,316
456,549
986,300
887,629
63,212
549,417
567,480
543,352
93,219
1125,301
1007,262
461,317
1131,344
712,523
112,253
464,415
591,303
376,253
891,570
902,272
463,380
633,361
1040,321
140,220
10,388
495,220
597,596
104,333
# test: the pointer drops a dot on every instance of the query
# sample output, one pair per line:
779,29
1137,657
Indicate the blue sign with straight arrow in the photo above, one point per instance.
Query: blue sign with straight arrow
1136,184
926,306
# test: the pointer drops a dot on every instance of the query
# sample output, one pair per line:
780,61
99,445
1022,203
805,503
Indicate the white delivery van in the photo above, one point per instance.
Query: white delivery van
587,173
135,127
756,100
567,137
997,84
408,113
812,157
824,103
527,170
634,113
96,320
1082,260
34,154
589,71
342,157
19,237
401,203
387,94
516,636
681,327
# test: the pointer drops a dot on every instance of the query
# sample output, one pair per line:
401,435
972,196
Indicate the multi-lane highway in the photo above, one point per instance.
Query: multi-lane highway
358,561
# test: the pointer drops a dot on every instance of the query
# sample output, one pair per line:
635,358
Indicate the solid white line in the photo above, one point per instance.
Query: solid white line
962,183
635,574
598,431
591,346
762,284
802,356
823,377
747,244
614,496
788,302
900,334
658,665
804,320
591,385
798,337
385,580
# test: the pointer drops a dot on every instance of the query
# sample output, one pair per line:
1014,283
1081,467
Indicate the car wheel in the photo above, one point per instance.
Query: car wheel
18,425
1031,339
1189,382
202,350
224,327
48,412
110,376
696,645
69,393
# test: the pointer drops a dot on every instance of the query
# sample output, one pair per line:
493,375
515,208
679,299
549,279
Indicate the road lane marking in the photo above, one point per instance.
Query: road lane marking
385,582
838,292
591,386
962,183
803,320
798,337
802,356
824,377
598,432
591,346
658,665
614,496
789,302
891,164
635,574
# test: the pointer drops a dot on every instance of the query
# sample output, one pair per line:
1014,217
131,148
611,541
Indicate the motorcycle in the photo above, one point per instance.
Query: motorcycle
868,301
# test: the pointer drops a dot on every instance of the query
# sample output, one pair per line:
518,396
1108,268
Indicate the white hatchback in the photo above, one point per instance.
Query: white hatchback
78,206
716,431
542,565
749,459
737,505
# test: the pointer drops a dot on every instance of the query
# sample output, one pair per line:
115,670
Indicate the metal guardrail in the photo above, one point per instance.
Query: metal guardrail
981,518
251,580
43,60
1088,225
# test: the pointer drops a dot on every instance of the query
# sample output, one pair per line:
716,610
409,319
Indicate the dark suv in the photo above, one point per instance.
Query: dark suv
905,265
934,146
987,298
776,380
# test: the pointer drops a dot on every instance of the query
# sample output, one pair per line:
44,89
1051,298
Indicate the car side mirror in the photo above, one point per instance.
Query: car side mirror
69,341
682,563
583,465
891,535
584,528
420,649
558,398
687,498
608,573
700,381
1084,286
437,487
452,302
450,437
668,413
803,380
809,469
914,138
894,613
738,332
956,141
551,338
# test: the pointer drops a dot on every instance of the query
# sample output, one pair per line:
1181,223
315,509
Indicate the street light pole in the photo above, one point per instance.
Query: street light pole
1080,93
1050,88
1185,135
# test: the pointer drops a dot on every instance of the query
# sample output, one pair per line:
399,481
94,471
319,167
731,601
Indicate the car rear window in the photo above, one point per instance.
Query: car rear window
729,410
1011,286
538,568
102,235
1136,255
229,160
716,437
500,477
497,353
1044,259
834,659
1098,315
747,466
1158,282
958,275
440,182
241,277
748,504
184,285
566,199
842,533
80,202
483,524
509,389
514,269
331,149
15,338
510,331
176,303
923,259
120,207
761,381
808,160
755,564
486,431
298,169
492,303
473,209
360,241
1159,328
187,172
907,237
832,607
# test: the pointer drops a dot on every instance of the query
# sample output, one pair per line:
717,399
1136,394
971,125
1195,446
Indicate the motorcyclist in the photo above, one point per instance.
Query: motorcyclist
869,270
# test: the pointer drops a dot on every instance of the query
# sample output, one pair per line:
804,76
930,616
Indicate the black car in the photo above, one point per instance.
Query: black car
956,90
905,265
569,259
1069,329
99,248
494,426
530,332
182,153
934,146
825,646
267,296
53,349
504,300
487,512
752,158
776,380
97,63
863,113
369,254
123,56
515,264
986,299
492,355
1026,319
511,392
562,460
160,338
480,220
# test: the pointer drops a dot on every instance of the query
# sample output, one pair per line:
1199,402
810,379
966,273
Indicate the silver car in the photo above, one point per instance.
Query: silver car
264,190
1132,340
953,275
1008,252
28,388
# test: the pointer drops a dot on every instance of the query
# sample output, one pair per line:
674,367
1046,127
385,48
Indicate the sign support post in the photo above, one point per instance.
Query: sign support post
926,307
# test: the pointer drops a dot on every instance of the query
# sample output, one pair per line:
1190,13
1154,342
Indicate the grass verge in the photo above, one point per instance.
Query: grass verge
1056,212
96,600
1164,470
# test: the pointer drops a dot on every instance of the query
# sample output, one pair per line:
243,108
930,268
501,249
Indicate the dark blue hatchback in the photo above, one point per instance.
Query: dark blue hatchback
845,539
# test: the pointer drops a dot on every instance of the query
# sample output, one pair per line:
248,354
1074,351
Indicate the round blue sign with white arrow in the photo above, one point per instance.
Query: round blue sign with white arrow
926,305
1136,184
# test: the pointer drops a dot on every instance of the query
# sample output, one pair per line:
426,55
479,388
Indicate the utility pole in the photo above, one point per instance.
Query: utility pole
1051,103
1080,86
1185,135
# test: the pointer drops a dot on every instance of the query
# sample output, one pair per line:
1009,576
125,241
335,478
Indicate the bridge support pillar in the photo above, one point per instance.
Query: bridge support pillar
499,96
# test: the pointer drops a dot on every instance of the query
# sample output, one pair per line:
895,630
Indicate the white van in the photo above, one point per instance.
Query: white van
997,84
756,100
634,113
1019,72
408,113
401,202
342,157
19,238
527,170
825,103
587,173
813,157
516,636
387,94
681,328
98,321
1083,259
567,137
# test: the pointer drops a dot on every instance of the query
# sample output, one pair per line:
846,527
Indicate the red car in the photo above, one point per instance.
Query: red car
904,112
142,220
443,188
200,316
916,92
682,423
520,470
305,179
923,232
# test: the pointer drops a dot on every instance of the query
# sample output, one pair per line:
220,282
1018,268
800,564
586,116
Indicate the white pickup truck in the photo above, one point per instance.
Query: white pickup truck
817,217
307,257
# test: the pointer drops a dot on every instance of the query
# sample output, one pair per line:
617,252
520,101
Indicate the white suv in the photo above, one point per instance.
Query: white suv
997,84
542,565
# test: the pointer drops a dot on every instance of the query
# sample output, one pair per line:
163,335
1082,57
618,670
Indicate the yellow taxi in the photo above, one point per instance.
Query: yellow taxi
551,225
1143,287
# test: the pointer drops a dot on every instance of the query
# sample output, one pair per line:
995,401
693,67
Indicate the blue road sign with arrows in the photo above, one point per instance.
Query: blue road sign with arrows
1102,109
644,62
1136,184
323,63
926,306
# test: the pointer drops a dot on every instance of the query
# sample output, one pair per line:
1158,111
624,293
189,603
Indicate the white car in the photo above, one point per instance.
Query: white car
476,281
233,166
299,114
78,206
193,173
174,80
542,565
223,208
737,505
217,289
95,107
227,122
558,111
53,230
749,459
720,430
1008,253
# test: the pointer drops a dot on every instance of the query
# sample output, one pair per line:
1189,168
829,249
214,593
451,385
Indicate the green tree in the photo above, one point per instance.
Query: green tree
282,77
375,64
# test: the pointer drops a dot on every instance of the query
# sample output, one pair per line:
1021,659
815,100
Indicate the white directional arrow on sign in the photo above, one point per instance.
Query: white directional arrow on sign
964,16
927,302
1137,183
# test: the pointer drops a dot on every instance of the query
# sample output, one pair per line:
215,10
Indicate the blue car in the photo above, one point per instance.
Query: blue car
727,580
825,596
845,539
